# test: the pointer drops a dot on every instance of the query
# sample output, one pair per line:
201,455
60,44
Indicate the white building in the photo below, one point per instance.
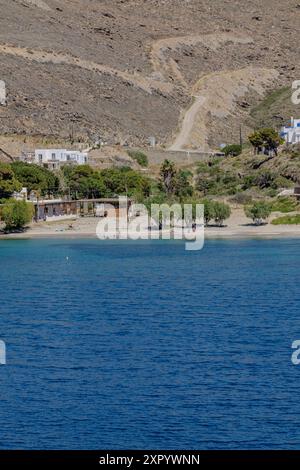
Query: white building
21,195
53,158
291,134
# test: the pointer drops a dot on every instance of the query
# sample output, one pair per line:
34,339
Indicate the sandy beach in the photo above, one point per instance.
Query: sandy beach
237,226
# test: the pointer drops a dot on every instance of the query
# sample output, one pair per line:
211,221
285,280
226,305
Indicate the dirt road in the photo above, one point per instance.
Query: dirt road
182,138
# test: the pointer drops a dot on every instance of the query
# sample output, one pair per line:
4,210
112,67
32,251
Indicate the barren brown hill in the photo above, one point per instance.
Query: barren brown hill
185,71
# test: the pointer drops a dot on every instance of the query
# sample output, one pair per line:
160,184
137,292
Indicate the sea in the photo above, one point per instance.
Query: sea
144,345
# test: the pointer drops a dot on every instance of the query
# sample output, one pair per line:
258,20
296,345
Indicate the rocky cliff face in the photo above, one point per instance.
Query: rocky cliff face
129,69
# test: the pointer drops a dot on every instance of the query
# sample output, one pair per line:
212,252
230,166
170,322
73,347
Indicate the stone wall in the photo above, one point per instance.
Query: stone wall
157,156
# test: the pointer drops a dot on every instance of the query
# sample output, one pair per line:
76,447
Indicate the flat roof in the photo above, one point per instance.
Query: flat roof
68,201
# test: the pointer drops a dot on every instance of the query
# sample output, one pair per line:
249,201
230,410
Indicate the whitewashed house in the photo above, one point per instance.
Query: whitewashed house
54,158
21,195
291,134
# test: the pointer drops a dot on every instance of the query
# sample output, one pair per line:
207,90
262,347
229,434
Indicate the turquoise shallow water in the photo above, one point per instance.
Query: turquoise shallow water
145,345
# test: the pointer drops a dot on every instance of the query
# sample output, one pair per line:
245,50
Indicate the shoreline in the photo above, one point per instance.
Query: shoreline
237,227
208,235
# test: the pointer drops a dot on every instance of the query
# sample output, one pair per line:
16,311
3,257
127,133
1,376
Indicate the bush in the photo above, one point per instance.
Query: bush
258,212
287,220
139,157
285,204
217,182
16,214
282,182
265,179
233,150
202,167
248,182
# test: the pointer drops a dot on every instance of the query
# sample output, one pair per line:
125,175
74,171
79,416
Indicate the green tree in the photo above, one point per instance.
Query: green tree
205,185
92,187
16,214
85,182
125,181
190,216
166,214
208,210
221,212
8,181
259,211
266,138
182,186
168,174
36,178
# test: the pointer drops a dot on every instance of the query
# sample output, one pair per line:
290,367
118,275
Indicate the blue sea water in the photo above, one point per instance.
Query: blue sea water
117,345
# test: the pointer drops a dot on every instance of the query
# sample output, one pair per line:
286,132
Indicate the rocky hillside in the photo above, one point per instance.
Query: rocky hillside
185,71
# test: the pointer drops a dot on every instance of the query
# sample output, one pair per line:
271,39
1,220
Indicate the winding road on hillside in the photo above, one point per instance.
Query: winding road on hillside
165,65
41,56
215,94
182,138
